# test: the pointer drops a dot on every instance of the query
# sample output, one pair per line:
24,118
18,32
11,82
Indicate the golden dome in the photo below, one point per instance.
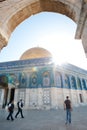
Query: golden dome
36,52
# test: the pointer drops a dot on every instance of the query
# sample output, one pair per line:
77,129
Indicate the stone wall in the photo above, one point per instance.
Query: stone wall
49,98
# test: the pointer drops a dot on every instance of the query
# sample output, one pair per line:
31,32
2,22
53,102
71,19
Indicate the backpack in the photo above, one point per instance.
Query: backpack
9,107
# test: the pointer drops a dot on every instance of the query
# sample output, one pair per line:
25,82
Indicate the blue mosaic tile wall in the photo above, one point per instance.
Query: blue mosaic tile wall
40,72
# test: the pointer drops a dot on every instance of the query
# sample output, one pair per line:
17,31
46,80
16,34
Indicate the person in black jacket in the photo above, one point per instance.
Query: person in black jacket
10,110
68,108
20,107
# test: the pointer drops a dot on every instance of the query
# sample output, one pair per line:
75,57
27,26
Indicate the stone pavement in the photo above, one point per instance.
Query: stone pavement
45,120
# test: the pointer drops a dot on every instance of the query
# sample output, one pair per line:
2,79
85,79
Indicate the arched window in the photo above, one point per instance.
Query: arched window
3,80
22,80
79,83
67,82
73,82
58,79
33,80
46,79
84,84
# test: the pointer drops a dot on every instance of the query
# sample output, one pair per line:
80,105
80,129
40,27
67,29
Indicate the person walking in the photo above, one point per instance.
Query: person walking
20,107
10,110
68,108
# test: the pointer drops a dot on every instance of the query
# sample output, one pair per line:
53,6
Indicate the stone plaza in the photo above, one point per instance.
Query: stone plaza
45,120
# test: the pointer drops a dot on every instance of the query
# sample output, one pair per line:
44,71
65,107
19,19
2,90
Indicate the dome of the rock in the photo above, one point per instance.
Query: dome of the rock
35,52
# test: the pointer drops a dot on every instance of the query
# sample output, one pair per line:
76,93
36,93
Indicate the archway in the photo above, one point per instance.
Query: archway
21,10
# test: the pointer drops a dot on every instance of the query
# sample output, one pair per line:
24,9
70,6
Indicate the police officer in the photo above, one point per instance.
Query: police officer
20,107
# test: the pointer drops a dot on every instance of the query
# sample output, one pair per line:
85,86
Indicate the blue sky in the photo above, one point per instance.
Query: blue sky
52,31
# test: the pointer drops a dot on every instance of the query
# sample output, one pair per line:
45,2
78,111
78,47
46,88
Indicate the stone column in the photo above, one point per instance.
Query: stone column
84,37
63,82
9,93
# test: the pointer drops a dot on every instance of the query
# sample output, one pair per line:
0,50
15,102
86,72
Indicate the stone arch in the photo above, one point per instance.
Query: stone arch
16,12
29,10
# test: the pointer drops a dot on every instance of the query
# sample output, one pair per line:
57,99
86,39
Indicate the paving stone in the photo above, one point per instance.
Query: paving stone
45,120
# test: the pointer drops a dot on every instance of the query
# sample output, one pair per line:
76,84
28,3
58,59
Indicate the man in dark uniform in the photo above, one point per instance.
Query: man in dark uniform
20,107
10,110
68,108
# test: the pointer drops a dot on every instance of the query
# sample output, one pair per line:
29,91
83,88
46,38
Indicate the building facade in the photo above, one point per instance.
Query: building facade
42,84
